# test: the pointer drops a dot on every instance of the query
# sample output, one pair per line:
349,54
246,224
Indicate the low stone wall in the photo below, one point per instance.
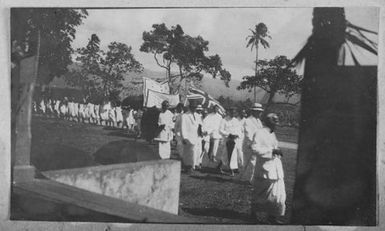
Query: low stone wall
151,183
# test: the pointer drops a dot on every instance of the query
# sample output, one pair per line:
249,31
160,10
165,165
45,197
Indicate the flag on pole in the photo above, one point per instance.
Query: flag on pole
206,100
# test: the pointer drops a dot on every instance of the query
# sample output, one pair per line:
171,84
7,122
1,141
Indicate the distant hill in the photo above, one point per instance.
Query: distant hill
215,87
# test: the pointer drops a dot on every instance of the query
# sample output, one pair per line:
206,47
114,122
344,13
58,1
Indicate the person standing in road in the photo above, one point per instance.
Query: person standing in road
165,125
269,195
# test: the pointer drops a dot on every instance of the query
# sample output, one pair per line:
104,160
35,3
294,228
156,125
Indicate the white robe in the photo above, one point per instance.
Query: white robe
165,136
189,133
269,186
250,126
119,114
211,125
231,126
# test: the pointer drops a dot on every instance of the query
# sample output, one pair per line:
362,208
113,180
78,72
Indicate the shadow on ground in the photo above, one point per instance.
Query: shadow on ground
58,156
124,151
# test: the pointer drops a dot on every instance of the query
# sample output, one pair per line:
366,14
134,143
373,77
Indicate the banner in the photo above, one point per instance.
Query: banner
155,98
149,84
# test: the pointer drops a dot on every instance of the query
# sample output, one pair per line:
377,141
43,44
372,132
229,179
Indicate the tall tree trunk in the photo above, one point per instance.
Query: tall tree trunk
256,71
270,99
23,121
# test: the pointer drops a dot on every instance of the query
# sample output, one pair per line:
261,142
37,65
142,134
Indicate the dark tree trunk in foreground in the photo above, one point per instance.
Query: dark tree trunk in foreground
26,75
336,168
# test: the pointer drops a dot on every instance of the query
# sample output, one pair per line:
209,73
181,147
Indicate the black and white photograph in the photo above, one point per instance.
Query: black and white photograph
195,115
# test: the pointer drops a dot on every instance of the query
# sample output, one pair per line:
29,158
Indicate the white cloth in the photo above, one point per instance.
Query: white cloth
81,111
211,125
97,111
119,114
111,114
269,187
231,126
42,106
91,110
63,109
250,126
189,133
105,110
57,107
165,118
71,109
130,118
76,109
165,136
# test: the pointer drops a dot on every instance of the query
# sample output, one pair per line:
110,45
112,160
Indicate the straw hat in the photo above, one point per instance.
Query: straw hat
257,107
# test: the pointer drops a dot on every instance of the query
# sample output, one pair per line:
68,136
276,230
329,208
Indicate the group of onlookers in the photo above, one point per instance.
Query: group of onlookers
241,142
107,113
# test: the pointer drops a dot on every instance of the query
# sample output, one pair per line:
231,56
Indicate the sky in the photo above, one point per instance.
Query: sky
226,30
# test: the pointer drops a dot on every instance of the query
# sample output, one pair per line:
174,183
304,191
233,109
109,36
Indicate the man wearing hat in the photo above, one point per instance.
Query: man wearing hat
165,125
190,122
251,125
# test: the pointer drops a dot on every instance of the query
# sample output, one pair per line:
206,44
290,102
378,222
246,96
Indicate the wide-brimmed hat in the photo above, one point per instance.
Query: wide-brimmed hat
199,107
257,107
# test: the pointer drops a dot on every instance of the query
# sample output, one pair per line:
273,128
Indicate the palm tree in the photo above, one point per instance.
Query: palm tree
258,35
326,95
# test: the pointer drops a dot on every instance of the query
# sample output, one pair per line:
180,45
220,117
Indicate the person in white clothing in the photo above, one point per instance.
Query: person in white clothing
76,111
231,151
190,137
42,106
269,195
210,126
250,126
57,108
165,125
119,116
91,112
198,148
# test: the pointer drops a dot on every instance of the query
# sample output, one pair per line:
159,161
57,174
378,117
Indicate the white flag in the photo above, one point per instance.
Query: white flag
149,84
156,98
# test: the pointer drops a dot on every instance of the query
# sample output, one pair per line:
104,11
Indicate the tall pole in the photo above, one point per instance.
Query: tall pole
256,70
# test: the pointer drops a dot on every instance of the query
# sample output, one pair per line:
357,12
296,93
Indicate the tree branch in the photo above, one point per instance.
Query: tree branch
157,61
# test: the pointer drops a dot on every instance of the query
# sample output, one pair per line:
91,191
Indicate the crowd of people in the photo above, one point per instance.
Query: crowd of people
107,113
241,143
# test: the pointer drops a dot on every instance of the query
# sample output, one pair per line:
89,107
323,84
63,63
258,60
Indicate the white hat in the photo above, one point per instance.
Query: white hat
257,107
199,107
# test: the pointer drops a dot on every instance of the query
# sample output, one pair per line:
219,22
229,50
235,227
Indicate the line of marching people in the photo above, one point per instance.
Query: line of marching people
240,143
86,111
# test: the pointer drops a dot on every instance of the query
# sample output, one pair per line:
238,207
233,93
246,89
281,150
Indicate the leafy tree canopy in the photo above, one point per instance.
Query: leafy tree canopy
172,47
274,76
57,30
103,71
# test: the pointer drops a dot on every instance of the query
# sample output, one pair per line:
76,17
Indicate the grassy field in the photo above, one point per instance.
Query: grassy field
206,195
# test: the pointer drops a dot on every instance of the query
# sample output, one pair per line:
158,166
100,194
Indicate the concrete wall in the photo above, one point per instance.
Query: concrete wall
151,183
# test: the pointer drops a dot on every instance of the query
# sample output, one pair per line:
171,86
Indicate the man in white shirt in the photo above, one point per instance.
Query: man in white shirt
165,125
210,127
190,138
251,125
231,150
